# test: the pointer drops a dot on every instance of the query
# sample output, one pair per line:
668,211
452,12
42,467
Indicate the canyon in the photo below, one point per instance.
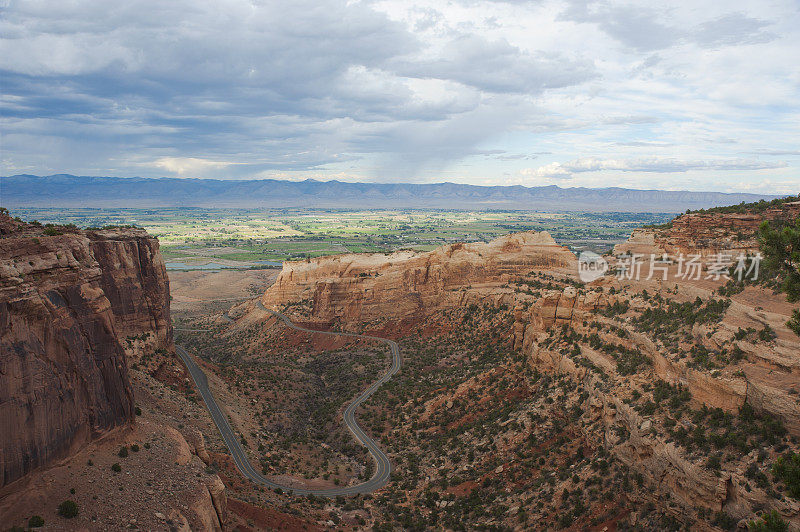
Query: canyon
361,287
527,397
596,334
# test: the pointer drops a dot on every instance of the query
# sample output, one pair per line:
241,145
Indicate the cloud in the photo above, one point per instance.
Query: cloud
396,90
497,66
732,29
766,151
549,171
188,165
648,164
646,29
632,25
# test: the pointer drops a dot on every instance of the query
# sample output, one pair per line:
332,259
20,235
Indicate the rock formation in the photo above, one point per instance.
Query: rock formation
707,233
360,287
71,304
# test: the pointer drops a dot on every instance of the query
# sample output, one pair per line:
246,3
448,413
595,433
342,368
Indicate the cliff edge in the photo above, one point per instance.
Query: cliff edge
73,304
359,287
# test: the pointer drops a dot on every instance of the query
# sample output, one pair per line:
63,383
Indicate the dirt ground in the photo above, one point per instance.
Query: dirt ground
190,290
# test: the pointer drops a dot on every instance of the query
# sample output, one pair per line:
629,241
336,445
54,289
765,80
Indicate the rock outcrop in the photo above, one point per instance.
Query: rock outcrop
360,287
707,233
71,303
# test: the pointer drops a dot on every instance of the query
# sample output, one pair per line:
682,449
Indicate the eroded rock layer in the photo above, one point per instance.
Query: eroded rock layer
71,304
708,233
359,287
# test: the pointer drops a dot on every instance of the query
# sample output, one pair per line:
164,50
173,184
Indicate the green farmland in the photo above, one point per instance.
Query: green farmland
242,238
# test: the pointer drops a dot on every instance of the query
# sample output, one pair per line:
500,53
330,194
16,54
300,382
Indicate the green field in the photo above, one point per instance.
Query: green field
234,237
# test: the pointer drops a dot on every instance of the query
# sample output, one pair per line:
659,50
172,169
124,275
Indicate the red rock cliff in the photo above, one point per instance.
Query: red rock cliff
358,287
708,233
70,303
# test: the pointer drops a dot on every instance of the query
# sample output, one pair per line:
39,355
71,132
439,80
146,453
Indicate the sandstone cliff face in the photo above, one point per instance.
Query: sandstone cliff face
68,302
706,233
369,286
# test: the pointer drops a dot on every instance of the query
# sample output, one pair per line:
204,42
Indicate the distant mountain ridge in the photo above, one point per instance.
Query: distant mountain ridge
63,190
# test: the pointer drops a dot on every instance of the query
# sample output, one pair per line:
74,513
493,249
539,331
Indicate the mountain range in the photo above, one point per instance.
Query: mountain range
63,190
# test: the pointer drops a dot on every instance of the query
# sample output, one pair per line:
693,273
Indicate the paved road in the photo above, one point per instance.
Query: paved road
383,467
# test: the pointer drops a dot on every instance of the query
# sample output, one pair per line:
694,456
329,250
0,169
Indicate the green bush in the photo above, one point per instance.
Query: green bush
787,470
770,522
781,249
794,323
35,521
123,452
68,509
116,468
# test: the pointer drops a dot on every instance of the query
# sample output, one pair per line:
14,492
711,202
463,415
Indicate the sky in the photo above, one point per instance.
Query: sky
700,95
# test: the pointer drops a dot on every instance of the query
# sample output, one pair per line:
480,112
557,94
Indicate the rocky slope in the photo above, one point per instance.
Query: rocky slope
689,382
72,305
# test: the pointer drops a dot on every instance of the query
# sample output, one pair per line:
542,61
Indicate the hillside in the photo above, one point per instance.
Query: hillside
527,399
359,287
691,393
82,191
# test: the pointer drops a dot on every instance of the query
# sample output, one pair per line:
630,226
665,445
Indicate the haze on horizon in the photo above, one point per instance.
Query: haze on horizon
648,95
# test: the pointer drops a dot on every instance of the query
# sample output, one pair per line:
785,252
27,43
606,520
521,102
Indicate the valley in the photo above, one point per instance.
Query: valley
193,238
528,398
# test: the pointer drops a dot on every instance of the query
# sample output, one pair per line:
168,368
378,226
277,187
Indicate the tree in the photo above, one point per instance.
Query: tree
781,250
787,469
769,522
68,509
794,322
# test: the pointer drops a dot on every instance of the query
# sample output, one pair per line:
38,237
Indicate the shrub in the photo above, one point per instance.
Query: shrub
787,470
767,334
123,452
135,447
35,521
137,411
116,468
770,522
68,509
724,521
780,247
794,323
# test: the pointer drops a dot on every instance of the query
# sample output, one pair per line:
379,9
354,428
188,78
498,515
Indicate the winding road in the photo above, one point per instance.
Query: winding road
383,465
